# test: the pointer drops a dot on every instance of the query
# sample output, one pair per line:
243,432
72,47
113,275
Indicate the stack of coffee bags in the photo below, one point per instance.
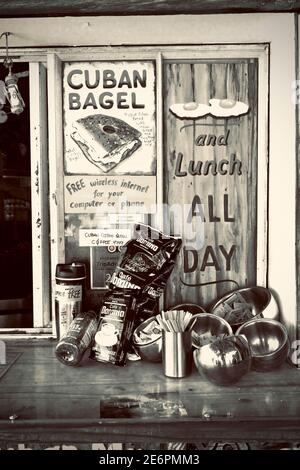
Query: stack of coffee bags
139,279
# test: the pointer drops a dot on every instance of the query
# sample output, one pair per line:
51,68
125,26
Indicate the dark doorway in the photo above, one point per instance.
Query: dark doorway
15,209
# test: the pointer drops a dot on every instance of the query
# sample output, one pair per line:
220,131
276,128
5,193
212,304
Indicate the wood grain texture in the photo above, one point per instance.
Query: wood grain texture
297,332
199,82
56,403
19,8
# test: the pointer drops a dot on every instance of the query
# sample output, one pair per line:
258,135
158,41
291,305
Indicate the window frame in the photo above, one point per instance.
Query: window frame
39,197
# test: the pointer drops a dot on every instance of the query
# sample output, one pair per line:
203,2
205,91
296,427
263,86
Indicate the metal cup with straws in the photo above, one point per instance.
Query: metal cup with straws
176,328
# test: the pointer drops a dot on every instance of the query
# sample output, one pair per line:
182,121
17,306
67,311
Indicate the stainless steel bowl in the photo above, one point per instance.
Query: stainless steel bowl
151,351
268,341
224,361
263,304
207,328
192,308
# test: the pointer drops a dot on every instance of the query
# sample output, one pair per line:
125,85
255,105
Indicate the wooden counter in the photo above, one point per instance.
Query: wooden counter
55,403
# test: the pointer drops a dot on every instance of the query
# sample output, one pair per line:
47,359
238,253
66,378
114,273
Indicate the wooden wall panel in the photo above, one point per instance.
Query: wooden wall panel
296,98
199,82
19,8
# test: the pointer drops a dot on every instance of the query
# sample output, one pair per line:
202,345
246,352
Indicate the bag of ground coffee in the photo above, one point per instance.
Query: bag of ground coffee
115,328
148,258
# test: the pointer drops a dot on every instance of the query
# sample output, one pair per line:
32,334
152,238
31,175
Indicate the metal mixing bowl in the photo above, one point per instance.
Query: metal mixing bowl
151,351
268,341
224,361
261,299
192,308
208,327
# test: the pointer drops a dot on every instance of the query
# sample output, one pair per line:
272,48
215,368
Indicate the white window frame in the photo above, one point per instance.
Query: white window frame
277,30
39,196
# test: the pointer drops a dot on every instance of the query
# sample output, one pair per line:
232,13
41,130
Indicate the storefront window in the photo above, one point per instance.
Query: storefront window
172,167
185,134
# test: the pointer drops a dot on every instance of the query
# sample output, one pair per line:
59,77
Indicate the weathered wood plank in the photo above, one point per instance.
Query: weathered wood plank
199,82
55,136
55,403
19,8
296,97
69,405
39,196
164,431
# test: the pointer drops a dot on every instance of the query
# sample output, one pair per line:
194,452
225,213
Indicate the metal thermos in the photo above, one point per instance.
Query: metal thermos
177,353
69,294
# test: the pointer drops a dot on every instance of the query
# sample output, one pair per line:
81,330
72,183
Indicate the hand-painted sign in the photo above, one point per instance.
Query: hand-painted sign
211,161
109,157
104,237
109,114
103,263
109,194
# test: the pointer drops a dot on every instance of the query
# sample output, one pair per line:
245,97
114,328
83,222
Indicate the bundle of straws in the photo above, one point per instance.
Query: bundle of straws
176,321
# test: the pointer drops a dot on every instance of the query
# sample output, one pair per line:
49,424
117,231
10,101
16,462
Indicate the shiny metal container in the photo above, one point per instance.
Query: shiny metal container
268,341
262,300
224,361
151,352
192,308
177,353
208,324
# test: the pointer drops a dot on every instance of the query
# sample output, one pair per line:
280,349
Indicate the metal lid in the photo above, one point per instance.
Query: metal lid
73,271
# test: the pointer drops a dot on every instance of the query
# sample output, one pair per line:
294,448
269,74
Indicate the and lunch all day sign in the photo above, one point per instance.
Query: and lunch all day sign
210,150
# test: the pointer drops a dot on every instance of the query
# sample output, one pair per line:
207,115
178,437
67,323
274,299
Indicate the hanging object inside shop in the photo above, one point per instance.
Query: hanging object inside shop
3,115
9,90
